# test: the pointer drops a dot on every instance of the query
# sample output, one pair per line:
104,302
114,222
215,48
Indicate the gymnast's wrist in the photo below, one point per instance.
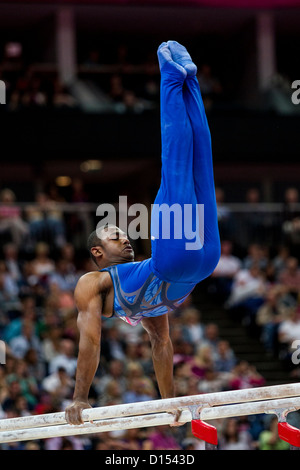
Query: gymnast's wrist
80,398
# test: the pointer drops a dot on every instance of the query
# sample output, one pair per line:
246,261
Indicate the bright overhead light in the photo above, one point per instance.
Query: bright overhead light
63,181
91,165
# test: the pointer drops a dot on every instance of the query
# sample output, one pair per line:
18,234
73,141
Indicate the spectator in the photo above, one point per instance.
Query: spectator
14,101
21,406
225,216
132,439
111,395
43,265
289,329
35,363
59,384
62,277
60,300
27,313
233,438
65,359
182,374
3,387
183,351
115,372
211,337
12,261
290,277
11,220
67,253
139,389
193,444
20,383
291,218
269,439
32,445
116,91
225,357
52,340
192,329
10,284
20,345
13,392
34,96
247,295
203,360
79,222
256,256
9,303
269,316
279,261
30,283
212,382
245,376
163,439
256,218
46,222
46,403
227,267
145,358
62,98
36,217
62,443
113,345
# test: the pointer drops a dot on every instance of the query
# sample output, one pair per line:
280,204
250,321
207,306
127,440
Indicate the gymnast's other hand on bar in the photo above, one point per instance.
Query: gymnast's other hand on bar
176,415
74,411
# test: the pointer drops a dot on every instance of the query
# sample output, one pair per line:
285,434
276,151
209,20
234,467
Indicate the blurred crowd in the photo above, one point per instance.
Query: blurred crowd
122,80
38,325
258,276
263,293
260,221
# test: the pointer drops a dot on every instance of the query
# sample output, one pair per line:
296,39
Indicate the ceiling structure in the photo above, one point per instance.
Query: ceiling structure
191,17
194,17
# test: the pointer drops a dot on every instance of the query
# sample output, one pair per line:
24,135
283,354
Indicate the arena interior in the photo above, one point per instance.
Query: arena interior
80,127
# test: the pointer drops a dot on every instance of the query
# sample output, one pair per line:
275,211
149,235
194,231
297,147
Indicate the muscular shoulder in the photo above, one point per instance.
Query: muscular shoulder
92,284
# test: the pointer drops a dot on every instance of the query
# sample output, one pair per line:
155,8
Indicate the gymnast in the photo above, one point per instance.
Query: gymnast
147,291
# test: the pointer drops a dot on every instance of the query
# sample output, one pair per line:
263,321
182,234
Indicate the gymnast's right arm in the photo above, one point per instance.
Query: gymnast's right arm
88,300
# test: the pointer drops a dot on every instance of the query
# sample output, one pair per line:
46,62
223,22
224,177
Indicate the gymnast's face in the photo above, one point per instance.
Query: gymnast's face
115,247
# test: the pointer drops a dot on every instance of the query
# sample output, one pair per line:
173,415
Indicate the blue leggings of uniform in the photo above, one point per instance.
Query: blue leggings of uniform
158,285
186,174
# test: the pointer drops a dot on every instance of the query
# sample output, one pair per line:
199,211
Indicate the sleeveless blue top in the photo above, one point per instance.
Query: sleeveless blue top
139,293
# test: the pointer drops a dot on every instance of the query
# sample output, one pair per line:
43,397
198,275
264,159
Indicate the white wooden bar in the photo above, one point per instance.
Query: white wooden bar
107,425
251,408
149,420
153,413
157,406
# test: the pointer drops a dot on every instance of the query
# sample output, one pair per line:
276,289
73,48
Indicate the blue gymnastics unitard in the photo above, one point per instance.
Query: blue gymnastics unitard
161,283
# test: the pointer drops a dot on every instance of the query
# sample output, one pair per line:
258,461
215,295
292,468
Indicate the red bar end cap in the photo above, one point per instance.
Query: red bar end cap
204,431
289,433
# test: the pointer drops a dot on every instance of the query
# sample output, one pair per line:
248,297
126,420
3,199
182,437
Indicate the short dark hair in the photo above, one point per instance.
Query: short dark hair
92,241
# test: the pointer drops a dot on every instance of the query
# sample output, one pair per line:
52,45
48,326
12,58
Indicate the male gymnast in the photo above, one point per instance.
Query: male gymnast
146,291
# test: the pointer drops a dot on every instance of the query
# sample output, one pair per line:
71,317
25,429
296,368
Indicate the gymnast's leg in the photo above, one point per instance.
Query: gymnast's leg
170,260
185,178
202,154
